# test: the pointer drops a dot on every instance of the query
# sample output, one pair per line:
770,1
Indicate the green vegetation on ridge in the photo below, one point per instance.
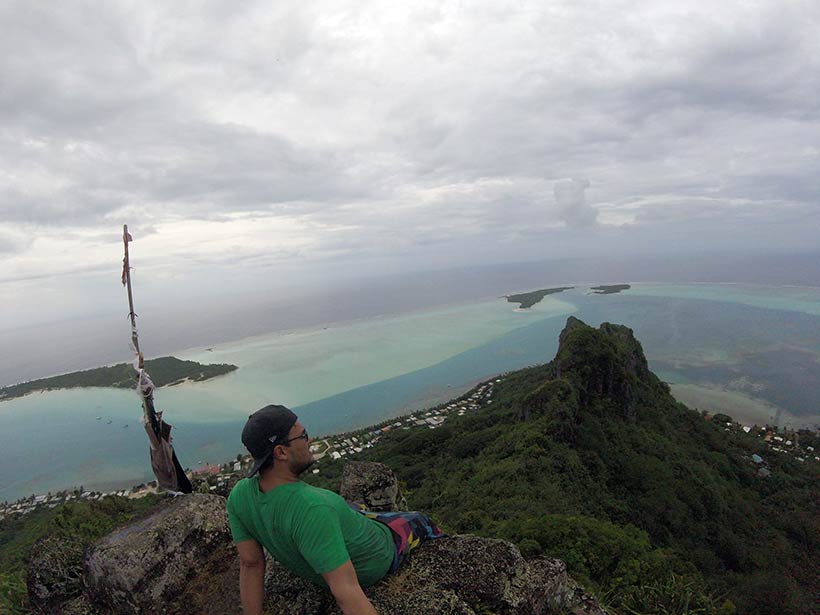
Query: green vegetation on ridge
589,459
164,371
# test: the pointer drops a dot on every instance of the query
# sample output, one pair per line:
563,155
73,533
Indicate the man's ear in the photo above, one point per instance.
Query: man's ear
279,452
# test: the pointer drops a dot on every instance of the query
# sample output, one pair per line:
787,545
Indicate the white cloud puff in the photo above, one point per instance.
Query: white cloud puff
570,197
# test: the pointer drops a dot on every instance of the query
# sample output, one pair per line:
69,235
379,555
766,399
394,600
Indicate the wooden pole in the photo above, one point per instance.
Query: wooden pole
126,268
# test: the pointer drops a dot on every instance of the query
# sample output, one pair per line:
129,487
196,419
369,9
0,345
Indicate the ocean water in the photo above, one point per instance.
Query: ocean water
54,440
750,351
804,299
302,366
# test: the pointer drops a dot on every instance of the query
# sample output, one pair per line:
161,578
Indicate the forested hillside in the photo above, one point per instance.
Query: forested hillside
591,460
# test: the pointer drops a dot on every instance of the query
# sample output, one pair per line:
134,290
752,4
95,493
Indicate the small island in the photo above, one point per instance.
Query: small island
164,371
527,300
610,289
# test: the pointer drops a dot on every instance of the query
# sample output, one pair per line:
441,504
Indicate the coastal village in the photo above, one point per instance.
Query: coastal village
220,478
777,442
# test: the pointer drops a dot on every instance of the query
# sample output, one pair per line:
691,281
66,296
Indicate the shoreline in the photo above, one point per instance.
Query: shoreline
87,377
195,413
135,487
740,406
475,396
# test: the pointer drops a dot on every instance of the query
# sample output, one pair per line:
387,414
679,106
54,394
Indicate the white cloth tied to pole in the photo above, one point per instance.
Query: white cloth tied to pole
146,386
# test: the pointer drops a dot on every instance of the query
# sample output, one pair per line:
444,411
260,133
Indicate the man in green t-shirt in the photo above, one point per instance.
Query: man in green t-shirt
311,531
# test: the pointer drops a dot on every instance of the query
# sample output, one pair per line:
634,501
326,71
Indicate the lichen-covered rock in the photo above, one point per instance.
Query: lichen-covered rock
486,575
371,484
554,590
457,575
55,574
288,594
77,606
176,559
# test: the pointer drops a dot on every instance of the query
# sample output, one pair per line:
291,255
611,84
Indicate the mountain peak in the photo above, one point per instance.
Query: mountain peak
601,370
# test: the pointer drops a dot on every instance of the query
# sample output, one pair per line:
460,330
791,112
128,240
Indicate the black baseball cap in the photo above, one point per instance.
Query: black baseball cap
265,429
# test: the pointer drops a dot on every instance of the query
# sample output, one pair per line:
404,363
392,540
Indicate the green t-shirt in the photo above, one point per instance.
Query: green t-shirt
310,530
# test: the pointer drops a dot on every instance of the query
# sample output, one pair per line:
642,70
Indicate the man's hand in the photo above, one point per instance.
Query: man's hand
251,576
344,585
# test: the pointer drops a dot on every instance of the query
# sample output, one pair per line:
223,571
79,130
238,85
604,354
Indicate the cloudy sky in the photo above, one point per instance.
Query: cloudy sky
278,145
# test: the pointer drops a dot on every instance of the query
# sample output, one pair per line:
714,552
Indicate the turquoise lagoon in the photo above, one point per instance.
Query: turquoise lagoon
751,351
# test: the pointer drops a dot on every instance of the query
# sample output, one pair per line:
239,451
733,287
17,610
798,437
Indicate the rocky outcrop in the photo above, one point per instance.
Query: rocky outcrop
457,575
174,560
372,485
600,370
179,559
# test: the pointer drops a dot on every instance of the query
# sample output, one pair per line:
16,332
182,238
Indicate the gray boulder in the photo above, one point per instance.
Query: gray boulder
457,575
472,575
176,559
372,485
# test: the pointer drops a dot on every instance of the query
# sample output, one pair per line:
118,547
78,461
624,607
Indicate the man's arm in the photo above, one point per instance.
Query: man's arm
344,585
251,576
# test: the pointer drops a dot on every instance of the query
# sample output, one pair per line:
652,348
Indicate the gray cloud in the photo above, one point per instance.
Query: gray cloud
571,200
414,135
13,243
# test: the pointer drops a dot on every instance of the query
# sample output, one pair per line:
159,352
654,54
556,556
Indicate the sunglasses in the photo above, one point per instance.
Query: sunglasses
302,436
